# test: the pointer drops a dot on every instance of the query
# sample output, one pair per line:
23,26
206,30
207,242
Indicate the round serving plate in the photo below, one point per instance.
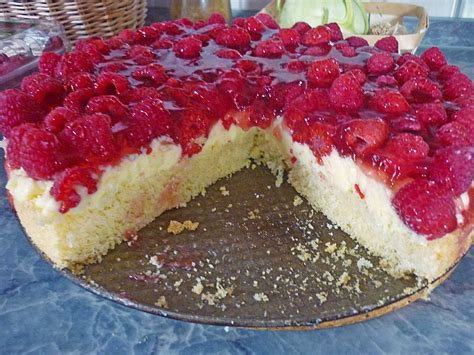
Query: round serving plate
259,258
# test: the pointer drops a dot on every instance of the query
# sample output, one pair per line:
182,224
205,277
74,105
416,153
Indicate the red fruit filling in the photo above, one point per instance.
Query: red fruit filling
410,118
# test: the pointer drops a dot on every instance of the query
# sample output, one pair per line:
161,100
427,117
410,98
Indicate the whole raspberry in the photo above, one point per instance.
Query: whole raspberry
149,33
129,36
188,130
318,51
16,108
453,168
65,185
56,120
283,94
234,37
115,42
228,54
301,27
380,63
40,154
213,32
79,81
322,73
465,116
361,136
459,85
389,102
238,22
296,66
14,144
446,72
357,42
455,134
77,100
432,114
408,146
465,101
111,84
90,136
405,123
216,18
318,136
253,25
316,36
290,37
410,70
388,44
386,80
425,209
336,33
421,90
187,48
358,74
48,62
200,24
260,114
346,94
405,57
149,120
268,21
114,67
346,50
153,72
72,63
434,58
270,49
184,22
162,44
141,55
94,47
109,105
44,89
169,27
139,94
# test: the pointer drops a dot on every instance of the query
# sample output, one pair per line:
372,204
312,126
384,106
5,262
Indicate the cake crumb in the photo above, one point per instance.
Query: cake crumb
322,297
198,287
224,191
377,283
330,248
190,226
176,227
363,264
297,201
162,302
260,297
343,279
254,214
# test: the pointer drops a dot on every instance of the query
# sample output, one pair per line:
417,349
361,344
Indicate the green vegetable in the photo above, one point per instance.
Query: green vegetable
349,14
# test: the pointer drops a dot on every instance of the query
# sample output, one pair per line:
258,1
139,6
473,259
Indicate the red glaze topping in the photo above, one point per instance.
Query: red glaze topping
408,119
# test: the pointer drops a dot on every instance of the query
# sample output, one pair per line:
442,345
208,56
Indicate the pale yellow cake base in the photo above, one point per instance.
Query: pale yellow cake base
129,198
142,187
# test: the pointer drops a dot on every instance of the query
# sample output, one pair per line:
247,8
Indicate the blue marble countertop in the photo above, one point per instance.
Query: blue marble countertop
42,312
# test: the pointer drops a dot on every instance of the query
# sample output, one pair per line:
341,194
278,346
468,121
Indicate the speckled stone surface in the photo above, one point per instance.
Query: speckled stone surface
41,312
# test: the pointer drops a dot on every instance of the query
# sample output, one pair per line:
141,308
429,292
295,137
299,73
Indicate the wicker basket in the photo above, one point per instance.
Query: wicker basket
80,18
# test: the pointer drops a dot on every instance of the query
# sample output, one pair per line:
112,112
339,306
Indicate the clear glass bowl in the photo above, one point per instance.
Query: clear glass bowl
21,45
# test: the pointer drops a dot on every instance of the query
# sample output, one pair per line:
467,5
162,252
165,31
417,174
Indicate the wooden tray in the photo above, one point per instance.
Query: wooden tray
260,258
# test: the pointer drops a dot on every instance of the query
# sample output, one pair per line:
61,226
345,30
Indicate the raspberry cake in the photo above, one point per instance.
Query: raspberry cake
107,137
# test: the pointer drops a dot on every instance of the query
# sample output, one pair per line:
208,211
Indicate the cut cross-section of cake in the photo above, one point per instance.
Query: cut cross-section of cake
107,137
